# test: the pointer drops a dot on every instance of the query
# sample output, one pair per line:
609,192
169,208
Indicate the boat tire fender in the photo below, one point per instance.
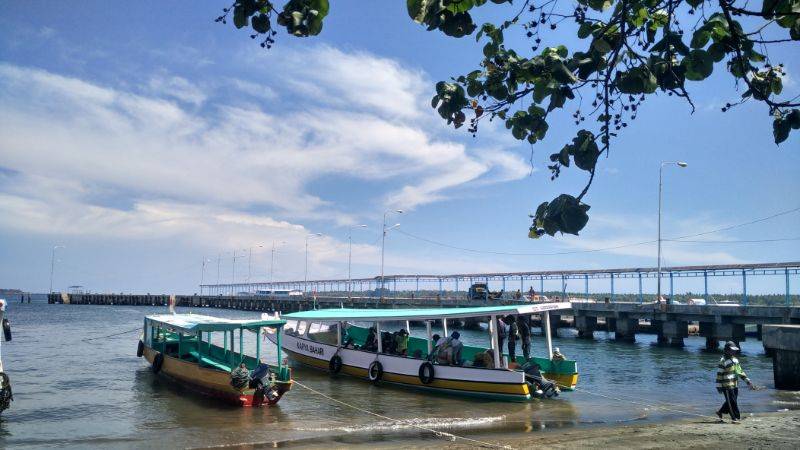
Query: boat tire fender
375,372
140,349
335,364
426,372
158,361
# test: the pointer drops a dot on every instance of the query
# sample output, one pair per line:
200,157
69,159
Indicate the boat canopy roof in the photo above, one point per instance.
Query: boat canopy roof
343,314
197,322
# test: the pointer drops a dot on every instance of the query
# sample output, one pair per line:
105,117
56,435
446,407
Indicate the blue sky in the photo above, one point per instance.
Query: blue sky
146,137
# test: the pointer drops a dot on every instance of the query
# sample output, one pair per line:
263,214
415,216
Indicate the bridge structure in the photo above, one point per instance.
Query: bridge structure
456,285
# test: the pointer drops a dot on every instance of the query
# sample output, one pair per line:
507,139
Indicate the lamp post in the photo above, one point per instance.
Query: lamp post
305,277
53,264
233,269
203,274
383,242
680,164
272,261
250,263
350,257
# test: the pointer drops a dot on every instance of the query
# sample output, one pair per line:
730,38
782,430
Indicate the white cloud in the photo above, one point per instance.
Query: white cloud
355,80
176,87
87,160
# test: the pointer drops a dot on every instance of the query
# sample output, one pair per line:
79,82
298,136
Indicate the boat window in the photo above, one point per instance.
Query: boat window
322,332
290,327
148,332
301,328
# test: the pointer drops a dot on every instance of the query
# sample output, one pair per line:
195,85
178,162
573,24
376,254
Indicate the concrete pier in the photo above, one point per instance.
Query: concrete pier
625,329
783,342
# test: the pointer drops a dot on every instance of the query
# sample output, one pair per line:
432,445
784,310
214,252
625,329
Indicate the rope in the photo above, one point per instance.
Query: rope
111,335
435,432
620,399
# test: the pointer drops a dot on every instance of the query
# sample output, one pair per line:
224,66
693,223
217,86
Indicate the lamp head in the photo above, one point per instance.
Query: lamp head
681,164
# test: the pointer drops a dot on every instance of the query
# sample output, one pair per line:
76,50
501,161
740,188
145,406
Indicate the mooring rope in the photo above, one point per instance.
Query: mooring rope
437,433
649,405
112,335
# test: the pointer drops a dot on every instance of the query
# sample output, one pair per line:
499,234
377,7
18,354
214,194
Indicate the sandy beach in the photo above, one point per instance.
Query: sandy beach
773,430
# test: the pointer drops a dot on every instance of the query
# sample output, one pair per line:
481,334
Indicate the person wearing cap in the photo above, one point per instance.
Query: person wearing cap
727,377
557,355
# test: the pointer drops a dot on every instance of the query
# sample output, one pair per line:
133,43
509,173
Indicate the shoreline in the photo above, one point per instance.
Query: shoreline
757,430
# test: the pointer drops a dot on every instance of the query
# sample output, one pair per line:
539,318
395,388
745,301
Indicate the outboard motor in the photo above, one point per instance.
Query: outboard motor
541,386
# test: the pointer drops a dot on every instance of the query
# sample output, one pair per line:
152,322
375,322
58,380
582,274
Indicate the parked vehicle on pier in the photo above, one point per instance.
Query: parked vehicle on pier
280,294
330,340
480,291
179,346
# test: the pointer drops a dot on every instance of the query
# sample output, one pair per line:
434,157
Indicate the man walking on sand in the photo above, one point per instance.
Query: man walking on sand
727,377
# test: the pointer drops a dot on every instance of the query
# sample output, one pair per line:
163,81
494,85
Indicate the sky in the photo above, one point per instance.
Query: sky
152,145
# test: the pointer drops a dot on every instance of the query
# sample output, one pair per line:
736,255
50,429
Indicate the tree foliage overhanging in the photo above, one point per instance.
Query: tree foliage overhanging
633,49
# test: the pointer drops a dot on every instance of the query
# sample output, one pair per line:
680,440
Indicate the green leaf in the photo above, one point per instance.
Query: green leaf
601,45
239,16
716,51
694,3
780,130
585,30
698,65
700,38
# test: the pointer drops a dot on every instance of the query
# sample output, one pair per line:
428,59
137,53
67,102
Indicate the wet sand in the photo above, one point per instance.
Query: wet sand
773,430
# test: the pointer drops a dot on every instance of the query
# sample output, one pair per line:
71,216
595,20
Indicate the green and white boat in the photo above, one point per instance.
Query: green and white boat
320,339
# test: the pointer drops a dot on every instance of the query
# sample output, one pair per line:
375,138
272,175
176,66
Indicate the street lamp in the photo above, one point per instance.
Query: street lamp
272,261
249,263
203,274
680,164
350,256
305,277
233,268
383,242
53,264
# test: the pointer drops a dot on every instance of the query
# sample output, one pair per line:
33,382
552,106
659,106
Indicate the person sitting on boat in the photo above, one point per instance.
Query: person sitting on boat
484,359
347,340
371,344
240,376
401,342
449,350
434,346
387,342
557,355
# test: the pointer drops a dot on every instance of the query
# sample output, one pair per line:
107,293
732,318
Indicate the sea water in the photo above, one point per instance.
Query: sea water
76,391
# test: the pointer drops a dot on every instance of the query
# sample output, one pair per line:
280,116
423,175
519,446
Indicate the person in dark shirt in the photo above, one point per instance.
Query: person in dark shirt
524,336
501,336
512,338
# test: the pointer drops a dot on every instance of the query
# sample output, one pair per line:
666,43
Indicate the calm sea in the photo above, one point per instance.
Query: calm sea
71,392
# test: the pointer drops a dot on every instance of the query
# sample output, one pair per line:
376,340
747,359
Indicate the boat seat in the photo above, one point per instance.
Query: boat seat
206,361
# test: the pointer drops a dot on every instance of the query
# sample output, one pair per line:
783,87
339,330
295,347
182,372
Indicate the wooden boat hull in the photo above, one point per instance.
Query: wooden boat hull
212,382
497,384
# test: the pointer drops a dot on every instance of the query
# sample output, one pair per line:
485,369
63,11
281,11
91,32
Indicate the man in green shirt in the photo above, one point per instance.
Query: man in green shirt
727,377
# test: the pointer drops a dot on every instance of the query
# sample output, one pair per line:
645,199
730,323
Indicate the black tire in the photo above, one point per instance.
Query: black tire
140,349
426,373
375,371
158,361
335,364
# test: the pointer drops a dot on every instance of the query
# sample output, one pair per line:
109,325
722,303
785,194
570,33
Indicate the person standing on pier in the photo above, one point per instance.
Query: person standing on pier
727,377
